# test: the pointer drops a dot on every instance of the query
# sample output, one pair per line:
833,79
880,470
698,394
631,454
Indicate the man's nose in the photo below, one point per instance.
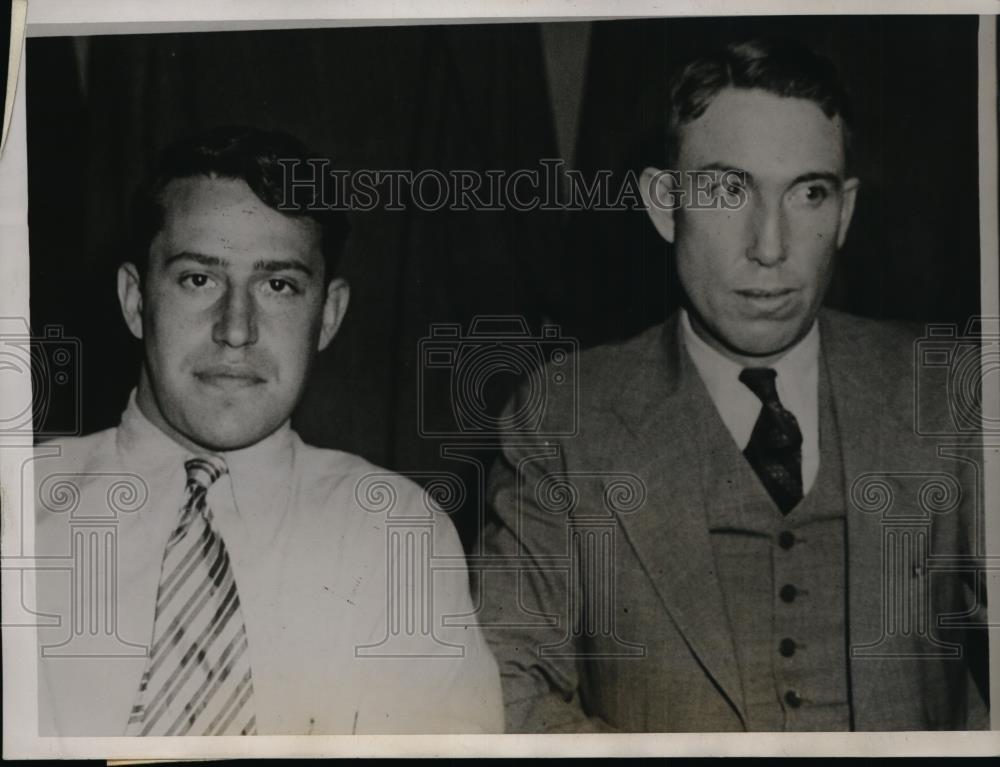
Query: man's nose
237,323
767,239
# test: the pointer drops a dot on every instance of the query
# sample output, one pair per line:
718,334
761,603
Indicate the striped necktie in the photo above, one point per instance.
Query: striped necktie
197,679
775,447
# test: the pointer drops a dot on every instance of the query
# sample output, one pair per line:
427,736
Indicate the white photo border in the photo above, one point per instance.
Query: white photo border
66,17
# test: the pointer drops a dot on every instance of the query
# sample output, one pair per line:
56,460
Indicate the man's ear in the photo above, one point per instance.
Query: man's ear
338,293
130,297
850,195
657,188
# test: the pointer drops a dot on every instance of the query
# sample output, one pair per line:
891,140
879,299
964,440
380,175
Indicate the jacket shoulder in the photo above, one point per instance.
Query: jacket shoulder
924,376
552,398
887,333
605,368
889,347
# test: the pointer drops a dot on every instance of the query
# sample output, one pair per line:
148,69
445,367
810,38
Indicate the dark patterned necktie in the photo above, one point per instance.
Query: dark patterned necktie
775,447
197,679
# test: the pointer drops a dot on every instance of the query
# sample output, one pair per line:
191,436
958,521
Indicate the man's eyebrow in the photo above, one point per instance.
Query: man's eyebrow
282,265
819,175
201,258
268,265
816,175
721,166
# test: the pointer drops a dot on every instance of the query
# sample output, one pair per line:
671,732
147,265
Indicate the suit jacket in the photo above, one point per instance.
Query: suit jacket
644,644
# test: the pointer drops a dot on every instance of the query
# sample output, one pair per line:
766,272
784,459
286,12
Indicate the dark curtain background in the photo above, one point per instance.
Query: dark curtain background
479,97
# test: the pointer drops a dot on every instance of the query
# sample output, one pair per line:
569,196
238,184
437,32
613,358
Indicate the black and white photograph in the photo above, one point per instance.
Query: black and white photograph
490,376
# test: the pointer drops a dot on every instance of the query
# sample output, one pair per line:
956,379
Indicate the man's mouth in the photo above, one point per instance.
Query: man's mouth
228,376
770,302
765,292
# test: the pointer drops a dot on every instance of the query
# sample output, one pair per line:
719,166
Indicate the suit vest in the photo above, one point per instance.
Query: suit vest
783,581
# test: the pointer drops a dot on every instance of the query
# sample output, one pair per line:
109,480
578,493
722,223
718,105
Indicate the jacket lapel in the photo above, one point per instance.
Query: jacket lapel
670,534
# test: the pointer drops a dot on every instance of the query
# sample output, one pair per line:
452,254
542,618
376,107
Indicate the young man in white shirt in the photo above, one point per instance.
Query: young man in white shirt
237,580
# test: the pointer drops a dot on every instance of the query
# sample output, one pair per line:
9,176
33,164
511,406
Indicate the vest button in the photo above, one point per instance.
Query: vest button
786,540
787,647
788,593
792,699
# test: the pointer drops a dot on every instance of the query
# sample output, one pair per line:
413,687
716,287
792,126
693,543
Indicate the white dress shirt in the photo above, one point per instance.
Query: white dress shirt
308,534
797,383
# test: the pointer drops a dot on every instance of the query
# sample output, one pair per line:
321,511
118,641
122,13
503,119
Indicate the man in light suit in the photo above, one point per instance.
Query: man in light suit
745,530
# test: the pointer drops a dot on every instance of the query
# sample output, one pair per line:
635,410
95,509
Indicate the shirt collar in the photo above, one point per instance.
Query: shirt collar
791,366
714,367
254,469
144,443
797,372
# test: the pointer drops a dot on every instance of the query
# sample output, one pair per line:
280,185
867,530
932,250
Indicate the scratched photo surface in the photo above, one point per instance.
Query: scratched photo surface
614,376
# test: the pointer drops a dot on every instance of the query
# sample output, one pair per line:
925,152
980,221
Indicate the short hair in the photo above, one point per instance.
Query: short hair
244,153
779,66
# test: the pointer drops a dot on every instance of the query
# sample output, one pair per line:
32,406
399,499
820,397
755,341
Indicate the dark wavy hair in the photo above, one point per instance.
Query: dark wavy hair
236,152
779,66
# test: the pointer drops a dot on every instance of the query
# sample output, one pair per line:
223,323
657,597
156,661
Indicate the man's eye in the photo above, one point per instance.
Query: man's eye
281,286
815,193
811,195
732,186
726,185
197,281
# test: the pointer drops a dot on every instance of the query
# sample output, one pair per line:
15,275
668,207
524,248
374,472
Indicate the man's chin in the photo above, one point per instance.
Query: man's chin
764,347
760,339
230,435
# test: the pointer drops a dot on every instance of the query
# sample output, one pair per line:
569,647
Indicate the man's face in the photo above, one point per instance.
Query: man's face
232,310
755,277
